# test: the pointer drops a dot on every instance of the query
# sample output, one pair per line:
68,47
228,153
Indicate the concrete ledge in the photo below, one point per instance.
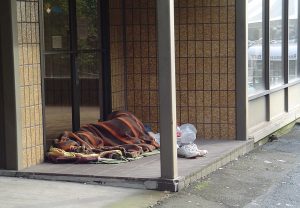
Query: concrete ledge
216,164
262,130
139,183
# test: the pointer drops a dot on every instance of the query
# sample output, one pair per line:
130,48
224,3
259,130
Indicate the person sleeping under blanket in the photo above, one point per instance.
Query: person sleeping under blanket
122,135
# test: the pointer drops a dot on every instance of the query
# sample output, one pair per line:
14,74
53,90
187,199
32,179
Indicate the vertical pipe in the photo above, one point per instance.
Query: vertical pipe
167,87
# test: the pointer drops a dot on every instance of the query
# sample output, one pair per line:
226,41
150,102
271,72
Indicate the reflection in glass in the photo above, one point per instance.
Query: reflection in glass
88,24
255,38
89,66
57,84
276,34
56,25
293,40
57,76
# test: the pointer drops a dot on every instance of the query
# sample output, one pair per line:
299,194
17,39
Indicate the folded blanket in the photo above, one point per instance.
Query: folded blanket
122,136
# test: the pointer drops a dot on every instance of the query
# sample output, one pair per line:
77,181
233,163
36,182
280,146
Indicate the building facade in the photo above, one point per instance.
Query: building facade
66,63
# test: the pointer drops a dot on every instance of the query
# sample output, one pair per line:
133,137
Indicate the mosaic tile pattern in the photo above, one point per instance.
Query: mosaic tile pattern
205,64
30,81
141,52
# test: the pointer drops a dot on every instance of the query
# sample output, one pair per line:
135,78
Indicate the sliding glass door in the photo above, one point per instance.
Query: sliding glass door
72,62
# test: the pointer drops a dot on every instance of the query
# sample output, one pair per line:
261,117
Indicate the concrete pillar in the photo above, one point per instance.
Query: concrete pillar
241,70
10,79
167,87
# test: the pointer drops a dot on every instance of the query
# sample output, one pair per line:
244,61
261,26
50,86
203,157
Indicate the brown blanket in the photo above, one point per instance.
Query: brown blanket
123,135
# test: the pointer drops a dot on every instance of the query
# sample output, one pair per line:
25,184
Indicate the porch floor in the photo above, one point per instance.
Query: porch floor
145,172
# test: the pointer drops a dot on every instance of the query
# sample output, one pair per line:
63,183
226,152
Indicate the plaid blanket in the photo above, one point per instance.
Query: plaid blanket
122,136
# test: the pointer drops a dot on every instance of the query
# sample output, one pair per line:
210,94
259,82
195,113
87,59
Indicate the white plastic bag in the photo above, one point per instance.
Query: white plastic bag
155,136
188,134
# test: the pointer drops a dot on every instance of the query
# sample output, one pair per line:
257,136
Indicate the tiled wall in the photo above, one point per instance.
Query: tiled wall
141,55
117,55
205,64
30,81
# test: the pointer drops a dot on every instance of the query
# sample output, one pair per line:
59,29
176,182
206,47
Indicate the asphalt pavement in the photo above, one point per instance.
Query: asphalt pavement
267,177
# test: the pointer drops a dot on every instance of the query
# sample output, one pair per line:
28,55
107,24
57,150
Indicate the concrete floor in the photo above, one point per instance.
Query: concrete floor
143,173
19,193
148,167
136,174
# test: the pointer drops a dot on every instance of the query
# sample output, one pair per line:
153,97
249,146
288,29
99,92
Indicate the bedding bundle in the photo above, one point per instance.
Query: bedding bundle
121,136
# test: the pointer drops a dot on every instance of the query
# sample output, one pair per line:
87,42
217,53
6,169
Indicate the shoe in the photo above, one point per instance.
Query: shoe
190,151
202,153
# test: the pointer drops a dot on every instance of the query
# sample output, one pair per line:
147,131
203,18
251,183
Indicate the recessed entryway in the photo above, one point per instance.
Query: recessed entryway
72,65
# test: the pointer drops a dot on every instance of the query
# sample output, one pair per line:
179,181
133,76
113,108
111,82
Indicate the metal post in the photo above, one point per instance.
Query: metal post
285,45
74,72
42,57
266,53
99,61
266,42
124,22
106,68
167,87
285,51
241,70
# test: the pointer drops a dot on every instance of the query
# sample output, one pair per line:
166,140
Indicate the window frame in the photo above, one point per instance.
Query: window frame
285,46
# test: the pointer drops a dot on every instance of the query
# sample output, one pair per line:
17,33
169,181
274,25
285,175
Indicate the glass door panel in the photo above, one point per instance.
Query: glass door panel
276,42
57,89
293,40
57,74
256,71
72,64
88,24
89,76
56,25
89,59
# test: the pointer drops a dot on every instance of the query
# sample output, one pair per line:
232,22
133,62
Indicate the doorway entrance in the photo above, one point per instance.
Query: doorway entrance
72,65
